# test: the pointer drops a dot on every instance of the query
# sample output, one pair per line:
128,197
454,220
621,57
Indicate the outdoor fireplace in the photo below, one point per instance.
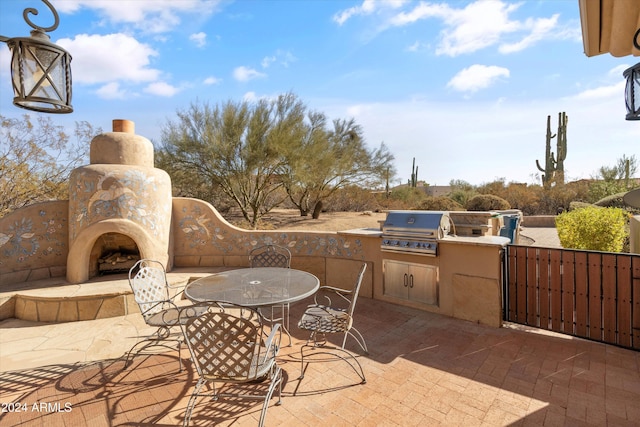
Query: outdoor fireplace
119,206
113,253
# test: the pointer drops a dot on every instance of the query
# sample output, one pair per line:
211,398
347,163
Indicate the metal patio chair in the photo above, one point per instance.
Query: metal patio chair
229,344
332,313
271,255
148,281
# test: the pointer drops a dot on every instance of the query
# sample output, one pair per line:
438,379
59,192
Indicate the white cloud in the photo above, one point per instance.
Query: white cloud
540,29
367,7
476,26
602,92
154,16
109,58
5,59
250,97
285,58
211,80
267,61
477,77
282,57
479,25
161,89
244,74
111,91
200,39
421,11
616,72
609,86
417,47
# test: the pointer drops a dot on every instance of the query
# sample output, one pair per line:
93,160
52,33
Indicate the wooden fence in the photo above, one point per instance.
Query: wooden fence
593,295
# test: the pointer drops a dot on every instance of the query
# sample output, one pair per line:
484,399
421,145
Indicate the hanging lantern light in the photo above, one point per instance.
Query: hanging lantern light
40,70
632,89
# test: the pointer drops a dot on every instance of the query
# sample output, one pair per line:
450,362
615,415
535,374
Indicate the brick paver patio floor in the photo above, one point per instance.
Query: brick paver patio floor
423,369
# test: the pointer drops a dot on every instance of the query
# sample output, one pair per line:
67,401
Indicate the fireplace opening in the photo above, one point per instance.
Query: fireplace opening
113,253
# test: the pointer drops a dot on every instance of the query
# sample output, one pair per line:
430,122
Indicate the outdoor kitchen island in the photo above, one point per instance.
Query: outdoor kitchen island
457,276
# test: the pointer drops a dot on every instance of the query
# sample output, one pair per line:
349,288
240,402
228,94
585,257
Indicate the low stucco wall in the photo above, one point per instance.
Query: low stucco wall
203,238
539,221
34,242
469,274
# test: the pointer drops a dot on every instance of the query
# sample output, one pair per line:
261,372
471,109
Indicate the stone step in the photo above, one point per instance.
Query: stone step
56,301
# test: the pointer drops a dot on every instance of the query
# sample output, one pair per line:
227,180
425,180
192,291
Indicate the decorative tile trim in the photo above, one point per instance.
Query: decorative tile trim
200,231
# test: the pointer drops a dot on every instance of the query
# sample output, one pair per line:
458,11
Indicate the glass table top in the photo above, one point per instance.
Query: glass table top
254,287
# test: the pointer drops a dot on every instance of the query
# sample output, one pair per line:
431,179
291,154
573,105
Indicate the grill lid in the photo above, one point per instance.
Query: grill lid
425,224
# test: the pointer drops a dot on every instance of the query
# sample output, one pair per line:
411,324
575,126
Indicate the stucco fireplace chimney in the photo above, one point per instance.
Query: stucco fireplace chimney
120,193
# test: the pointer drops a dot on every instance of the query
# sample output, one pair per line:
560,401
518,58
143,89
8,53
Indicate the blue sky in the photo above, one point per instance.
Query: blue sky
465,87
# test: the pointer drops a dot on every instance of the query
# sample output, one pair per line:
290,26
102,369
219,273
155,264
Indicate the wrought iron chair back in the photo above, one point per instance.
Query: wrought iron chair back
229,344
332,313
150,286
148,281
270,256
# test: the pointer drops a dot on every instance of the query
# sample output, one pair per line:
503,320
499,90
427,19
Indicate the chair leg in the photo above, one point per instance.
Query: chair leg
284,319
157,339
356,336
192,403
276,382
349,358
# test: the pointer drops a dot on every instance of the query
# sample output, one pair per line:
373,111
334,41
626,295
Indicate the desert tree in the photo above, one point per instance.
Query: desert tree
614,179
234,148
330,157
36,158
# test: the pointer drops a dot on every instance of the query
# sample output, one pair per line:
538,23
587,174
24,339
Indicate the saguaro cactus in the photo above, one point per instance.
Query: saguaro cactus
413,182
554,163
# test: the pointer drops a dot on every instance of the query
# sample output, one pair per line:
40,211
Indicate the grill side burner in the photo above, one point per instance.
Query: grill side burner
415,232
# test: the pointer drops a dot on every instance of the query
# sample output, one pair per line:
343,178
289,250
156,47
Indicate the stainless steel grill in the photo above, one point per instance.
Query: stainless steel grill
414,231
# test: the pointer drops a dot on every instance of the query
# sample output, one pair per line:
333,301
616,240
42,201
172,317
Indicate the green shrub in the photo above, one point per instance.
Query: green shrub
402,198
487,202
439,203
612,201
593,228
579,205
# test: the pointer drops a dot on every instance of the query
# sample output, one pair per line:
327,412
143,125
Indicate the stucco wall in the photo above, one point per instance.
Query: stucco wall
34,242
34,245
203,238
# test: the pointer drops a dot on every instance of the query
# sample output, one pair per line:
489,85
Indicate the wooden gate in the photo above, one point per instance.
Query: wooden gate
593,295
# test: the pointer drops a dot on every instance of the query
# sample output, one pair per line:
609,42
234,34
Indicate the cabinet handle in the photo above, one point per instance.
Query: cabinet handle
406,280
411,281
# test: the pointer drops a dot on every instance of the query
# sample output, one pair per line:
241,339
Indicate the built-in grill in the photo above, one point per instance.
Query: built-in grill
414,231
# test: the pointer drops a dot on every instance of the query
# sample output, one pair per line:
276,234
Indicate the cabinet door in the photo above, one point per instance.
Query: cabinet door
396,279
423,284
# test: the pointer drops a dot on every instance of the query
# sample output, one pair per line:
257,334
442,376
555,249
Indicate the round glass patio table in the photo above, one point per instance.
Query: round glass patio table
254,287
